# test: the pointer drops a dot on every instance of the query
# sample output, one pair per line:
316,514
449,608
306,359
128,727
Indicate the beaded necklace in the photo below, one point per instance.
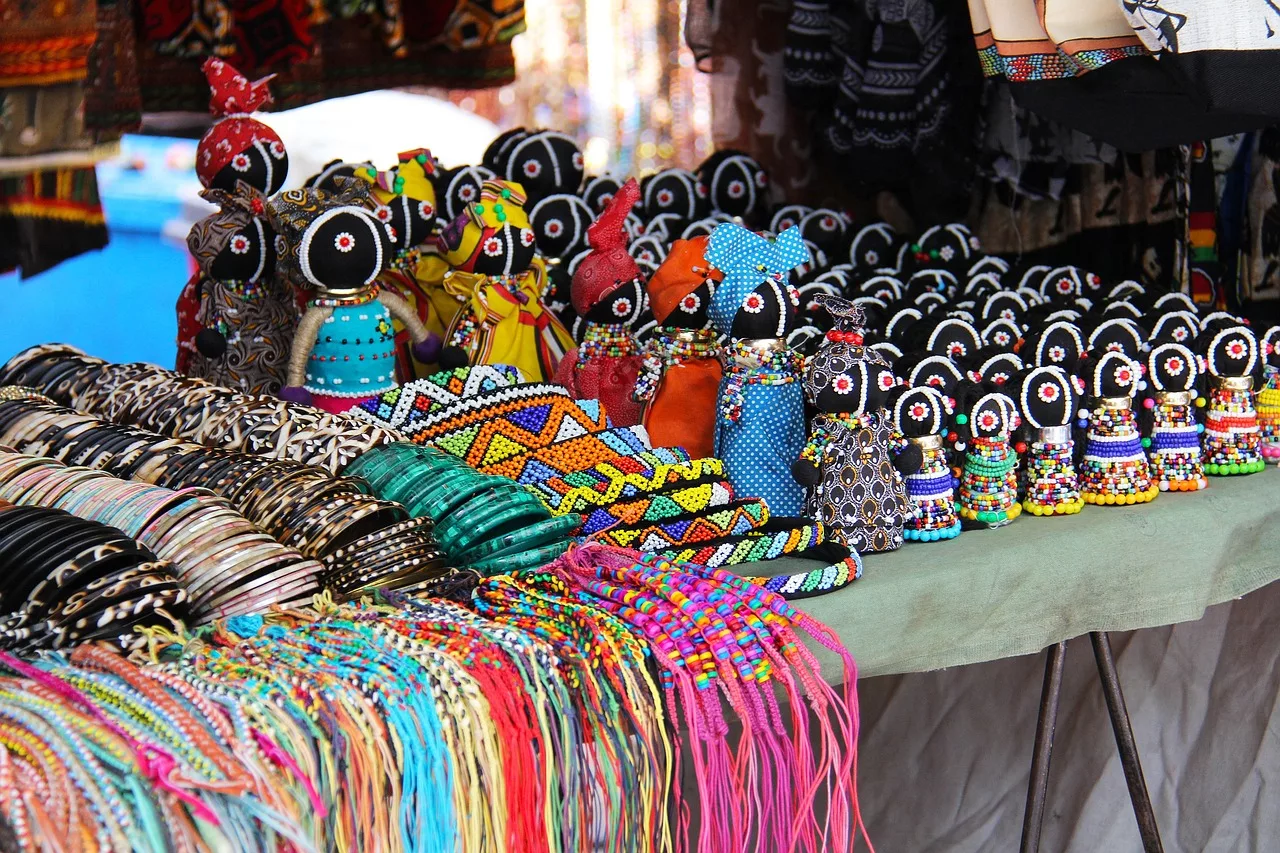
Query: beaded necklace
672,348
830,427
745,364
605,339
364,297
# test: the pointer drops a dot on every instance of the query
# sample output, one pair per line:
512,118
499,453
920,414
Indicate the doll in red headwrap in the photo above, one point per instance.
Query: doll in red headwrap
237,149
608,293
680,382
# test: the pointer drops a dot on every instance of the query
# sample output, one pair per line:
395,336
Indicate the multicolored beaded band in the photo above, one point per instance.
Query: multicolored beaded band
1174,448
931,492
735,519
1051,485
1114,470
661,506
1231,432
989,483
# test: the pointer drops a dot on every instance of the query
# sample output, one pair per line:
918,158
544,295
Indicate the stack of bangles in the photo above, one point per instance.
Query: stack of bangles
988,485
227,564
1114,470
64,580
299,505
1268,405
177,406
485,523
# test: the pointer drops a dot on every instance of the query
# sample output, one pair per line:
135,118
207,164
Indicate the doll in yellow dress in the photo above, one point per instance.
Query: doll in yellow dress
487,283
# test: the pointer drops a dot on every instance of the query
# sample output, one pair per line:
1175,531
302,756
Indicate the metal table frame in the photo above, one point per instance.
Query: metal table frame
1033,817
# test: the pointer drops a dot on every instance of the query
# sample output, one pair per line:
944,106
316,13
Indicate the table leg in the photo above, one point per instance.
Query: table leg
1128,747
1038,787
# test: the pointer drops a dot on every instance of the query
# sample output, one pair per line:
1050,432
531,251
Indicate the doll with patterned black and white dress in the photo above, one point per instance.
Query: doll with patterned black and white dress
855,459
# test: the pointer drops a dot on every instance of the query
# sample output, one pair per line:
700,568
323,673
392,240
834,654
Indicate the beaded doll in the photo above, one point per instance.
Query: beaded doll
1268,401
1114,469
984,421
235,149
544,163
1047,399
488,283
608,293
344,348
680,378
1173,437
406,200
855,460
1231,435
247,311
920,416
760,428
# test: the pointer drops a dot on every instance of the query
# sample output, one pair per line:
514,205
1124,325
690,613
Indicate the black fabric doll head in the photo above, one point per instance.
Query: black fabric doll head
560,224
1117,334
1068,283
918,412
1001,334
325,179
236,244
332,242
952,247
498,154
1231,350
664,227
1181,327
457,188
674,191
947,336
649,251
736,185
1006,305
1269,347
936,371
989,265
876,247
982,411
1173,302
1123,309
787,216
1047,397
827,230
995,366
1111,374
884,287
1058,344
599,191
938,281
899,324
844,377
982,286
1171,367
545,163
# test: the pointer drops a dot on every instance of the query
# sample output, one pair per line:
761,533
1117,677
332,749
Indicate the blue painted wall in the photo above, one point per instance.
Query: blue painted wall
118,303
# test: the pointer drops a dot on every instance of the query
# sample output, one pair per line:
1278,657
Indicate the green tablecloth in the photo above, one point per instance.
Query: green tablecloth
994,594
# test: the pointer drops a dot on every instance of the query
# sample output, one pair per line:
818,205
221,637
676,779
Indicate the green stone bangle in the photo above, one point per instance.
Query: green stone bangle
542,533
535,559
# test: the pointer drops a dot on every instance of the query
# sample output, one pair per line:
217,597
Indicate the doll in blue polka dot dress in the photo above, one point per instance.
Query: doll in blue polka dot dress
760,426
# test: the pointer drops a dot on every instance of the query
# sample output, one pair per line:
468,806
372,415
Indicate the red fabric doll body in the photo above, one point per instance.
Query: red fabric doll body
607,293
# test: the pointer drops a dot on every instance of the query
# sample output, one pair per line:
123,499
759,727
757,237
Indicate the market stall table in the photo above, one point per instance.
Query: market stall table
1040,582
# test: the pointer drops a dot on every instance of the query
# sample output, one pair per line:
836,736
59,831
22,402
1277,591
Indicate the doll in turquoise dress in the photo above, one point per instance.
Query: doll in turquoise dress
760,427
344,351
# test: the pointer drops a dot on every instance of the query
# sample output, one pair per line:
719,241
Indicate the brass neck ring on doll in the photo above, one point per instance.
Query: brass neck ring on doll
1055,434
1231,383
927,442
1173,398
1112,402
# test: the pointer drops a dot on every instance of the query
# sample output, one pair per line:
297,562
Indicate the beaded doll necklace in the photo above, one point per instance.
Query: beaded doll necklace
670,348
